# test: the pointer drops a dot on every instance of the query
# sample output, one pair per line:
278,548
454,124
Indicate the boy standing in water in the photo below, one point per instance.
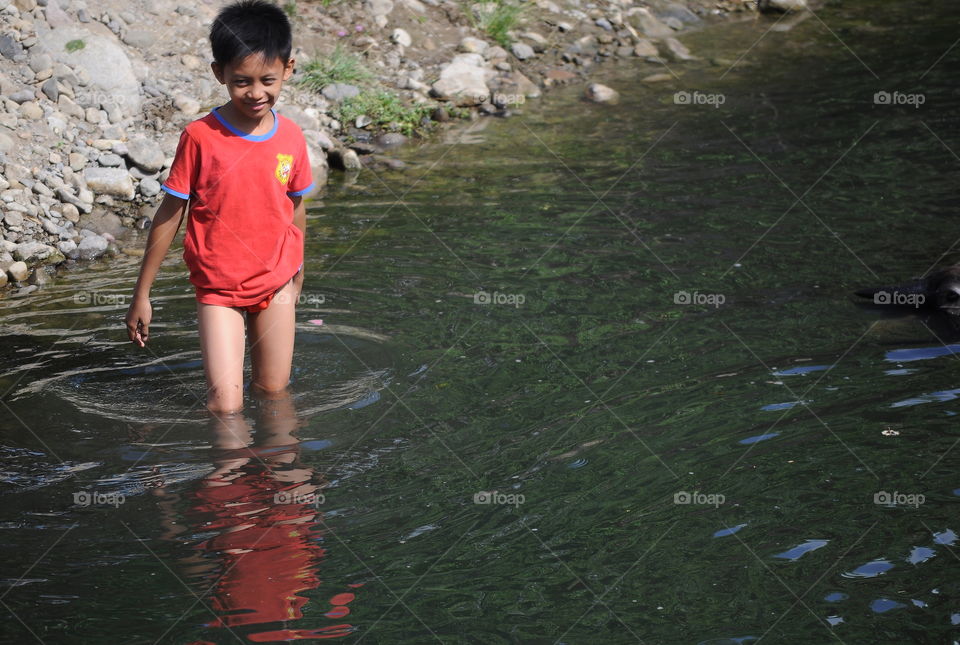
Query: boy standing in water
240,172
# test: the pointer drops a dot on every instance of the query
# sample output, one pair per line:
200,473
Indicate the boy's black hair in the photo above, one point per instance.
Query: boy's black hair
250,27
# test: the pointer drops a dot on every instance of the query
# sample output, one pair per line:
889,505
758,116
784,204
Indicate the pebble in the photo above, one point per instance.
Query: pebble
39,277
473,45
675,50
644,48
109,160
50,89
401,37
149,187
31,110
604,24
146,154
77,161
22,96
32,252
67,247
18,271
70,212
92,246
351,161
522,51
778,6
599,93
109,181
9,47
139,38
337,92
13,219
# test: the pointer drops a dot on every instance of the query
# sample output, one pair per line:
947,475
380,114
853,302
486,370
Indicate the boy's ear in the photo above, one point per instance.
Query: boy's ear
217,71
288,69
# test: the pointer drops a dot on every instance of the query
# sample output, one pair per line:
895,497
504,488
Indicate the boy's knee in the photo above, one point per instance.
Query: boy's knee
224,402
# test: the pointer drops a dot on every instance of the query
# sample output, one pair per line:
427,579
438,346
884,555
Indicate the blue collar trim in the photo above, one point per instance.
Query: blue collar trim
244,135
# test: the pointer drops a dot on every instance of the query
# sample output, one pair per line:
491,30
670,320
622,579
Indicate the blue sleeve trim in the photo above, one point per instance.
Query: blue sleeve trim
306,190
174,193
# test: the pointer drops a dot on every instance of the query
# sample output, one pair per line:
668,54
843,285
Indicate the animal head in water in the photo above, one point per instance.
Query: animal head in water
948,296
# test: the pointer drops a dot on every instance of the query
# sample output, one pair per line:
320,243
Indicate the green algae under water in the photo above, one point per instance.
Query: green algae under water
589,374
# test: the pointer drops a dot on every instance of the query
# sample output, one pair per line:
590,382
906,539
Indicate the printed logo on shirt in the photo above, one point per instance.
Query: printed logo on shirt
284,167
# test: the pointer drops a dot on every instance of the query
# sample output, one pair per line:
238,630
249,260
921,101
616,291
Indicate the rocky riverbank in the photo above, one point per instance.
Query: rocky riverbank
94,95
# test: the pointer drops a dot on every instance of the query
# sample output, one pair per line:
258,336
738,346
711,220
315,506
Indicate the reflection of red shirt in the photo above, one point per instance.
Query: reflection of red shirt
264,564
241,243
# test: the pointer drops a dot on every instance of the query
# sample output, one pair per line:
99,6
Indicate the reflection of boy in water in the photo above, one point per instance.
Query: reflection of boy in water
261,502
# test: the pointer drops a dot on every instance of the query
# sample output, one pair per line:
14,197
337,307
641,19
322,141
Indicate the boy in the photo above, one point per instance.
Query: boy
243,169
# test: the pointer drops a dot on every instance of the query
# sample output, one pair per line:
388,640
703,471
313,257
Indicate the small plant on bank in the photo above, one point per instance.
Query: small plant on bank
75,45
385,110
339,67
290,8
498,20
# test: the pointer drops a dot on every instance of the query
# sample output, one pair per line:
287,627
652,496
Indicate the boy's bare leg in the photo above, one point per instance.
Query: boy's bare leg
271,333
222,347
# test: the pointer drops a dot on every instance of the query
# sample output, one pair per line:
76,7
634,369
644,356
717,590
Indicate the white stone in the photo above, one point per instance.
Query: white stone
602,94
401,37
18,271
109,181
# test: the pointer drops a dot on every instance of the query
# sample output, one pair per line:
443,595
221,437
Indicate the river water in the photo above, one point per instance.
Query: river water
590,374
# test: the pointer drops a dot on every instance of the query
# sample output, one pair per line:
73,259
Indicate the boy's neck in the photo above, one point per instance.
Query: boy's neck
245,124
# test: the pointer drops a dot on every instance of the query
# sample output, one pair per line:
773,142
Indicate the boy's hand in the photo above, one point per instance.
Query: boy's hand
138,319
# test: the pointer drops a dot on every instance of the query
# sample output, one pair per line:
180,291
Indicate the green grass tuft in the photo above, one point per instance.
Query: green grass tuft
75,45
339,67
496,23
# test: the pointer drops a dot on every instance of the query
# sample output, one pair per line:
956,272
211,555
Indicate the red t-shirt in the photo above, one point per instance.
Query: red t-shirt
241,243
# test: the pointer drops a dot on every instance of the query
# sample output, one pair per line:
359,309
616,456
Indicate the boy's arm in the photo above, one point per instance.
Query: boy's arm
300,220
166,223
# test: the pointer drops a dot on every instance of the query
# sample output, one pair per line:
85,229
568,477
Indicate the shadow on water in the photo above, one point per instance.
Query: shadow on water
588,374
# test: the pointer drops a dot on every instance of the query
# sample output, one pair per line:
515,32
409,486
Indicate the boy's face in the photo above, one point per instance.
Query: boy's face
253,83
